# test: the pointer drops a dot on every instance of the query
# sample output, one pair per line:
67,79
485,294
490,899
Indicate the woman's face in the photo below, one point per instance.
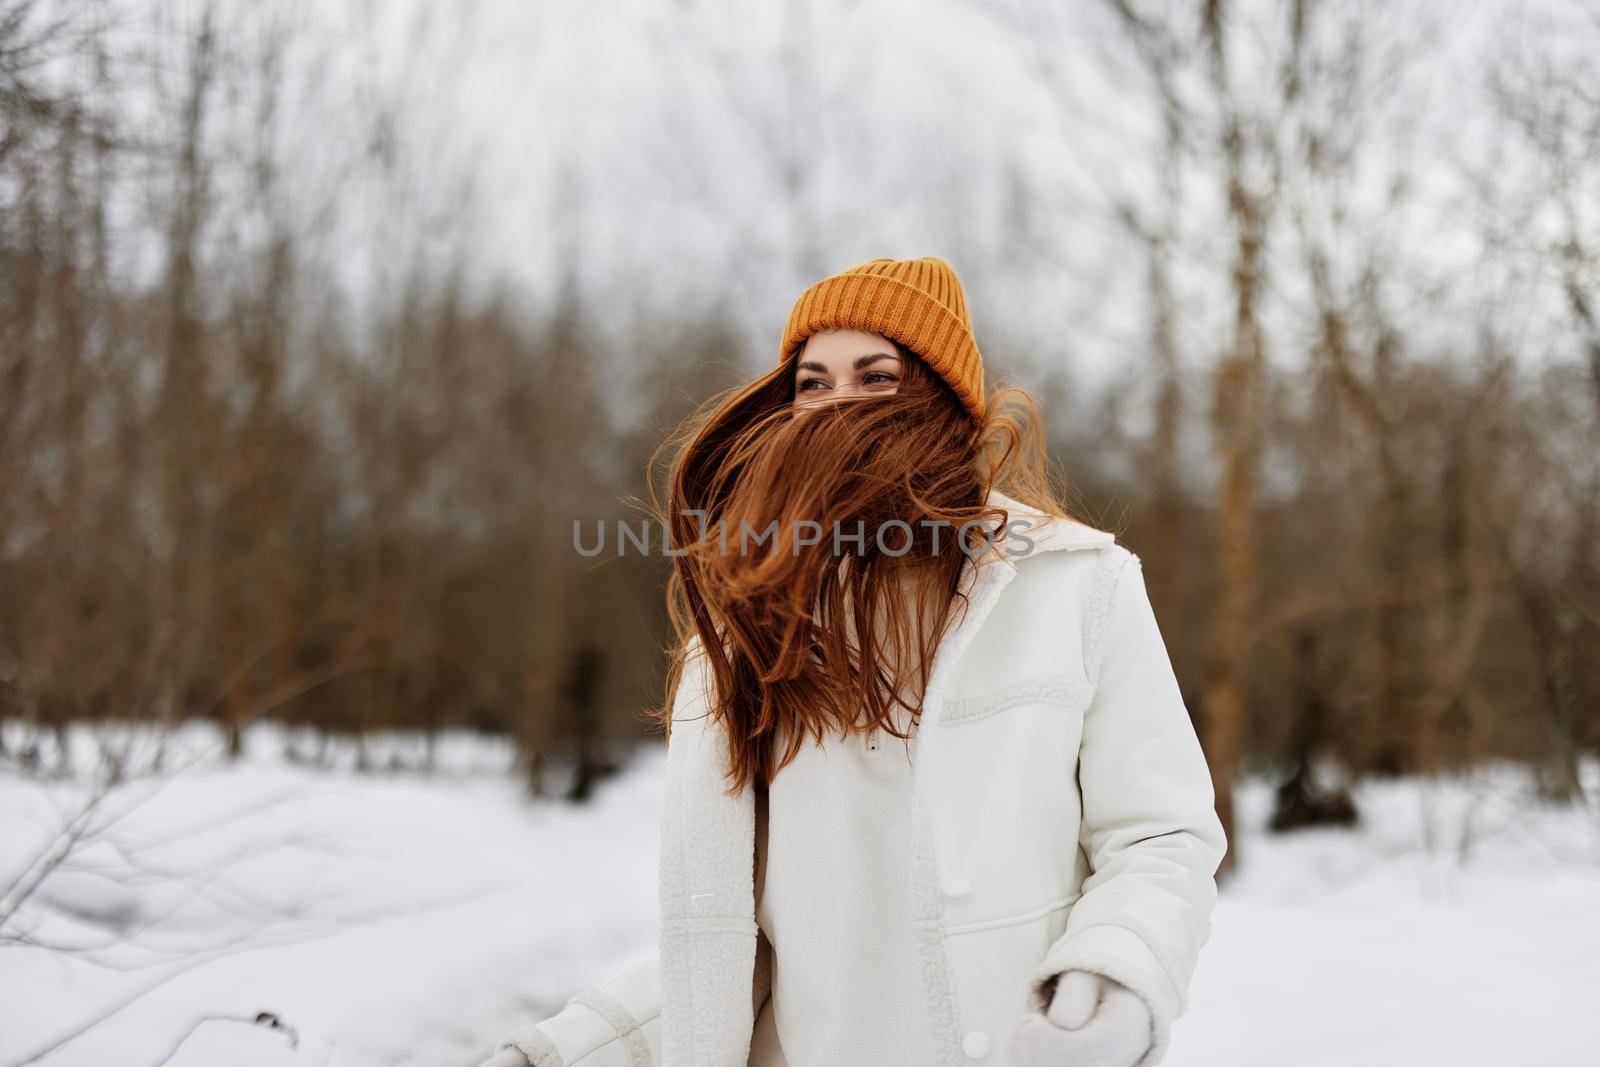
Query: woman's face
835,364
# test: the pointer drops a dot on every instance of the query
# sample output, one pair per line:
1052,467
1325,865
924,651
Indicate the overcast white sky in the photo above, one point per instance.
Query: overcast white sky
681,154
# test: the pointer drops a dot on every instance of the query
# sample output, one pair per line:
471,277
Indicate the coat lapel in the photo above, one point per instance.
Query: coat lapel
708,926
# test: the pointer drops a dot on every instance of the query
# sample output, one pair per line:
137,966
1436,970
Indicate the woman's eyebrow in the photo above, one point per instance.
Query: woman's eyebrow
860,361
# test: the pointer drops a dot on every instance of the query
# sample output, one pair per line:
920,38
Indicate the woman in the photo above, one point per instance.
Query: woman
909,820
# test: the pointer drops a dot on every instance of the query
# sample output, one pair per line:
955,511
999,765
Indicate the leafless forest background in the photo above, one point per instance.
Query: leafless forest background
1309,289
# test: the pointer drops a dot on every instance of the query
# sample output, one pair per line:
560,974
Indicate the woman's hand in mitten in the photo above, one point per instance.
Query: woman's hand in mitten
506,1057
1092,1021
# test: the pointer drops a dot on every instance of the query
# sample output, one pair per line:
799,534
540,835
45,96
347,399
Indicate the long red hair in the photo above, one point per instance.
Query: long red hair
837,635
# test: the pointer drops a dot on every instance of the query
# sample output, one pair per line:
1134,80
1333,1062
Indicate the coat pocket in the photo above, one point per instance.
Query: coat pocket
993,967
1045,689
1054,915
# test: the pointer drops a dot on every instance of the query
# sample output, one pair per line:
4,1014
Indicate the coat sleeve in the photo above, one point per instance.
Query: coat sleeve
616,1024
1149,825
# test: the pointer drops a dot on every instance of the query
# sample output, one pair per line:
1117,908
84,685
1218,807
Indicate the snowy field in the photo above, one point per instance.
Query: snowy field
268,914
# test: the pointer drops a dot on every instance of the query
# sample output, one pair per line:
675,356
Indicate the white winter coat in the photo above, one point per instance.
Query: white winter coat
1062,818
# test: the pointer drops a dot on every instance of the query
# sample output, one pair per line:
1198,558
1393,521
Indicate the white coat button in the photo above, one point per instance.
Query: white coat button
975,1044
957,887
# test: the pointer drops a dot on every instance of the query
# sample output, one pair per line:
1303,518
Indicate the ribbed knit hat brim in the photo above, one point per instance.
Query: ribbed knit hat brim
917,302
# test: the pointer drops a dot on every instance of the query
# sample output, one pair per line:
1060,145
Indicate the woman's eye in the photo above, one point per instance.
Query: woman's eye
809,382
874,377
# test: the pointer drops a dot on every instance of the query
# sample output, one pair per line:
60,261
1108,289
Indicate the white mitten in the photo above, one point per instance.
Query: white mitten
506,1057
1092,1022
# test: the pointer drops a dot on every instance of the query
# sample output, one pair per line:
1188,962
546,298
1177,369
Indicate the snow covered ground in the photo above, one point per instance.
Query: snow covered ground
1460,925
397,919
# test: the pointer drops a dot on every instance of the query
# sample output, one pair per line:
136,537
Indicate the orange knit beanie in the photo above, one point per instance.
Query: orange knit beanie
917,302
